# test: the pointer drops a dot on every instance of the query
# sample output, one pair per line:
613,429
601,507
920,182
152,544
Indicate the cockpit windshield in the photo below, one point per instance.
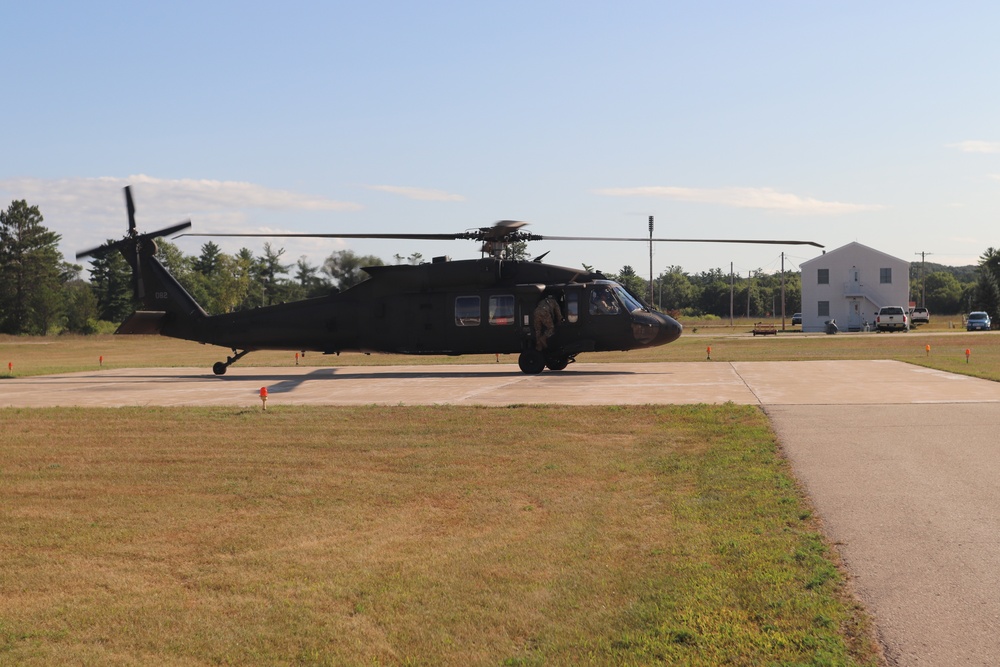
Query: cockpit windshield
631,305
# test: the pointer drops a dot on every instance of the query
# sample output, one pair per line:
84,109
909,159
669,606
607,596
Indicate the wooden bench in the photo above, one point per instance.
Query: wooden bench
761,329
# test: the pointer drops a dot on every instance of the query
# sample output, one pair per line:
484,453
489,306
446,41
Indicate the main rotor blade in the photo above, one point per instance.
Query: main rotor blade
500,232
539,237
417,237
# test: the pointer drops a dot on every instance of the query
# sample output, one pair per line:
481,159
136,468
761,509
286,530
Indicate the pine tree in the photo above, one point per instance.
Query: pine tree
988,293
111,280
30,289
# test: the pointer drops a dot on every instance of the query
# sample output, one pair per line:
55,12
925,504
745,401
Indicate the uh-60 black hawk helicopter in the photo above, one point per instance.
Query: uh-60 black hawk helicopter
478,306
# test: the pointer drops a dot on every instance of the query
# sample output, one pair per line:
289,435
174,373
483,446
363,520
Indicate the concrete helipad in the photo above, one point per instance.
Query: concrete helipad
760,383
900,461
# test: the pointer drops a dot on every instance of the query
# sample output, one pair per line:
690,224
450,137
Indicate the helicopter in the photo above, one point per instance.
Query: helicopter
443,307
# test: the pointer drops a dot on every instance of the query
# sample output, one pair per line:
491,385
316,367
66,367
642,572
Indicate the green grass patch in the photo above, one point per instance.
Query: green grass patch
412,536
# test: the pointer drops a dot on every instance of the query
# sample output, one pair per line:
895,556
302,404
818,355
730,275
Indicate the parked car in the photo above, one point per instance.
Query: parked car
920,315
892,318
796,319
978,321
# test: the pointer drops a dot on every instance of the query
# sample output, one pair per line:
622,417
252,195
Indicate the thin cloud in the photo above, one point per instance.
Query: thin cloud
95,197
85,211
977,146
760,198
420,194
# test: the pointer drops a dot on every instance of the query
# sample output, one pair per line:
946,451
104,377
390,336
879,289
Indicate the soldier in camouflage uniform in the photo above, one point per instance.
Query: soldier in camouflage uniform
547,313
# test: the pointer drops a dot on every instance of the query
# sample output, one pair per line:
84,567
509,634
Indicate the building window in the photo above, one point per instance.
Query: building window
502,309
822,276
824,308
467,313
885,276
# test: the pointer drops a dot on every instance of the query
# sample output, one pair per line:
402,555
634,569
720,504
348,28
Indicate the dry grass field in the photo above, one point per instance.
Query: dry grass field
527,535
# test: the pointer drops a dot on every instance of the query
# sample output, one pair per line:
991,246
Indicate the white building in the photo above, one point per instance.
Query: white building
849,285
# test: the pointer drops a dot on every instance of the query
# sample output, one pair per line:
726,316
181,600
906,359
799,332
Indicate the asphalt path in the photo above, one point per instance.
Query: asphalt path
900,461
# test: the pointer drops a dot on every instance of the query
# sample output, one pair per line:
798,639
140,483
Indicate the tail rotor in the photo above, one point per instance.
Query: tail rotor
135,245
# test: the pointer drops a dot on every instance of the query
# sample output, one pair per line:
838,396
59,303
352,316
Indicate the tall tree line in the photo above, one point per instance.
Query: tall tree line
40,293
715,292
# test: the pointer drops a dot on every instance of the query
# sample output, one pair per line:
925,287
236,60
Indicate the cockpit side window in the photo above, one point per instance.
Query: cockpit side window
631,304
602,301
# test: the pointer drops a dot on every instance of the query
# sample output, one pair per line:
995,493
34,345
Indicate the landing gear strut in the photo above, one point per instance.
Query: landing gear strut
220,366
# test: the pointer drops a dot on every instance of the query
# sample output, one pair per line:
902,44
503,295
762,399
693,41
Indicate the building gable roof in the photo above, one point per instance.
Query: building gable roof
853,248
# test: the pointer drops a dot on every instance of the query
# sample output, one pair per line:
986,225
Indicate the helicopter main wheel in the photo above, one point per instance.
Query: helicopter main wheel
557,363
220,368
531,362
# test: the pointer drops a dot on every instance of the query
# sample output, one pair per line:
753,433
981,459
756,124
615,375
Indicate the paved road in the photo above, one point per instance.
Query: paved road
911,494
900,461
757,383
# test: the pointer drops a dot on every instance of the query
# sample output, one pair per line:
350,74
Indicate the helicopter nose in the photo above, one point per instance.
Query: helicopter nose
670,330
652,328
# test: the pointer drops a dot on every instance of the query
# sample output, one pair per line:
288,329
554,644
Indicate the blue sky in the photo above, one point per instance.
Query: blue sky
830,122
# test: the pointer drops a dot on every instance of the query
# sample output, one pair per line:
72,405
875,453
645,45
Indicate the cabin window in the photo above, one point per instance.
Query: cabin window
885,276
467,311
502,309
572,306
602,301
823,308
822,276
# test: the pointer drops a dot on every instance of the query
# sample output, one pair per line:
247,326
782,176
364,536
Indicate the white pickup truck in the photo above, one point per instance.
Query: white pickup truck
892,318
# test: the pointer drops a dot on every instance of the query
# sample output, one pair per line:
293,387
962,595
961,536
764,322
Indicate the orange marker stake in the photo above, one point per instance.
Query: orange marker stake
296,358
263,397
709,352
10,366
100,360
928,348
967,353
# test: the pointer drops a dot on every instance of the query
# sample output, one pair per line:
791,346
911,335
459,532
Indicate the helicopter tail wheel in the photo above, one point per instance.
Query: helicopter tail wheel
531,362
219,368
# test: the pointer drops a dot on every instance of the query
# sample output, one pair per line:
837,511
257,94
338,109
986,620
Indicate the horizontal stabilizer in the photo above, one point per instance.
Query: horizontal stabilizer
143,322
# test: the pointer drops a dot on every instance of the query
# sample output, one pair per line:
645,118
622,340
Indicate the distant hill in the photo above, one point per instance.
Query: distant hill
964,274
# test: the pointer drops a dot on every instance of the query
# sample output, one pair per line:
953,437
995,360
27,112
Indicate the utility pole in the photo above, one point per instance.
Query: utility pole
923,276
651,302
732,287
749,285
782,291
